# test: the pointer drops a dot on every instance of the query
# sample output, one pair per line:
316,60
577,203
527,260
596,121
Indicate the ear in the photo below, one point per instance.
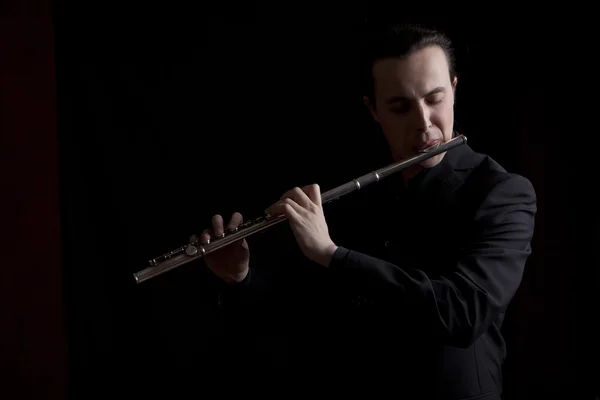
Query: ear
454,82
371,108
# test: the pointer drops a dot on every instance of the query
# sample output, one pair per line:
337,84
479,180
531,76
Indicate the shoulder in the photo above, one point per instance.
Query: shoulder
497,192
480,173
499,182
483,186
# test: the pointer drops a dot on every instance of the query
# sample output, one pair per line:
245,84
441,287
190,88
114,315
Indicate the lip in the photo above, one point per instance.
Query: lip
429,145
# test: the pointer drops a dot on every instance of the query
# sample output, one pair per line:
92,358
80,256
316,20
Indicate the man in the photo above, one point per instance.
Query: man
415,285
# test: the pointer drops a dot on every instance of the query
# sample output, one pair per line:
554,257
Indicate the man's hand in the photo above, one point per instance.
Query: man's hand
304,210
231,263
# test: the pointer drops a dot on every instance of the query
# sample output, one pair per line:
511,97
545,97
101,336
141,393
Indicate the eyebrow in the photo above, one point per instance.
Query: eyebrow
394,99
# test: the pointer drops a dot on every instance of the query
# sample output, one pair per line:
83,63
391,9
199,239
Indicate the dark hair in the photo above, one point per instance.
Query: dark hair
399,41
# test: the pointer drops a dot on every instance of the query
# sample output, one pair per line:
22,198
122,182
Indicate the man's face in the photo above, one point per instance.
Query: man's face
414,102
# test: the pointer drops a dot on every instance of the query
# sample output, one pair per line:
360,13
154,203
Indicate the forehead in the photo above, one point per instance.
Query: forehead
415,75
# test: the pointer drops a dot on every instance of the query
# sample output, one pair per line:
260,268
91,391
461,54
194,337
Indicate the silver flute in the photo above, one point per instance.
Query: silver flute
196,249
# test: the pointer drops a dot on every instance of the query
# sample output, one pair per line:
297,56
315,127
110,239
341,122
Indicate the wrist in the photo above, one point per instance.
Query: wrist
326,255
234,279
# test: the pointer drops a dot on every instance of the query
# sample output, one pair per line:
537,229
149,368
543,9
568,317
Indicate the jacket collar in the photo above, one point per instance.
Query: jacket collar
450,173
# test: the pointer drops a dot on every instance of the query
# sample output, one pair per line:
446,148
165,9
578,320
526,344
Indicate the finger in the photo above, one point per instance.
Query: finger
217,223
285,206
235,221
314,193
298,196
205,236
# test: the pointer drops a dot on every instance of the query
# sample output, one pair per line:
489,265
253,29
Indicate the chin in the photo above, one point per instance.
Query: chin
433,161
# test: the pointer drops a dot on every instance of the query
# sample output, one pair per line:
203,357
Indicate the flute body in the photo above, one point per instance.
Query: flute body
195,250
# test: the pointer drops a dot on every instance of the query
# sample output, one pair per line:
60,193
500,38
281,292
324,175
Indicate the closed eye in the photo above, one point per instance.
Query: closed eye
436,98
400,109
403,108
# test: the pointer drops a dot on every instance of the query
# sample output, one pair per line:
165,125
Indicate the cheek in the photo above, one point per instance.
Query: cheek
397,142
392,130
396,133
392,124
444,119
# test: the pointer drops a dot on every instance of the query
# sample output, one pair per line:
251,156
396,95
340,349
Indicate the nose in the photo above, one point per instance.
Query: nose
421,118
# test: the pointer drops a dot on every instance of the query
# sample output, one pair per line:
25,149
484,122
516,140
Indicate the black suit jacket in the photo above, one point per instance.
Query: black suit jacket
413,301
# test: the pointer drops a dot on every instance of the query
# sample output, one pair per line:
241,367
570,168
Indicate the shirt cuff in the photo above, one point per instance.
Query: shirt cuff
339,258
239,285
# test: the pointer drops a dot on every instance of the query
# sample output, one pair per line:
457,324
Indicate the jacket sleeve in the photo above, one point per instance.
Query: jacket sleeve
280,282
458,306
